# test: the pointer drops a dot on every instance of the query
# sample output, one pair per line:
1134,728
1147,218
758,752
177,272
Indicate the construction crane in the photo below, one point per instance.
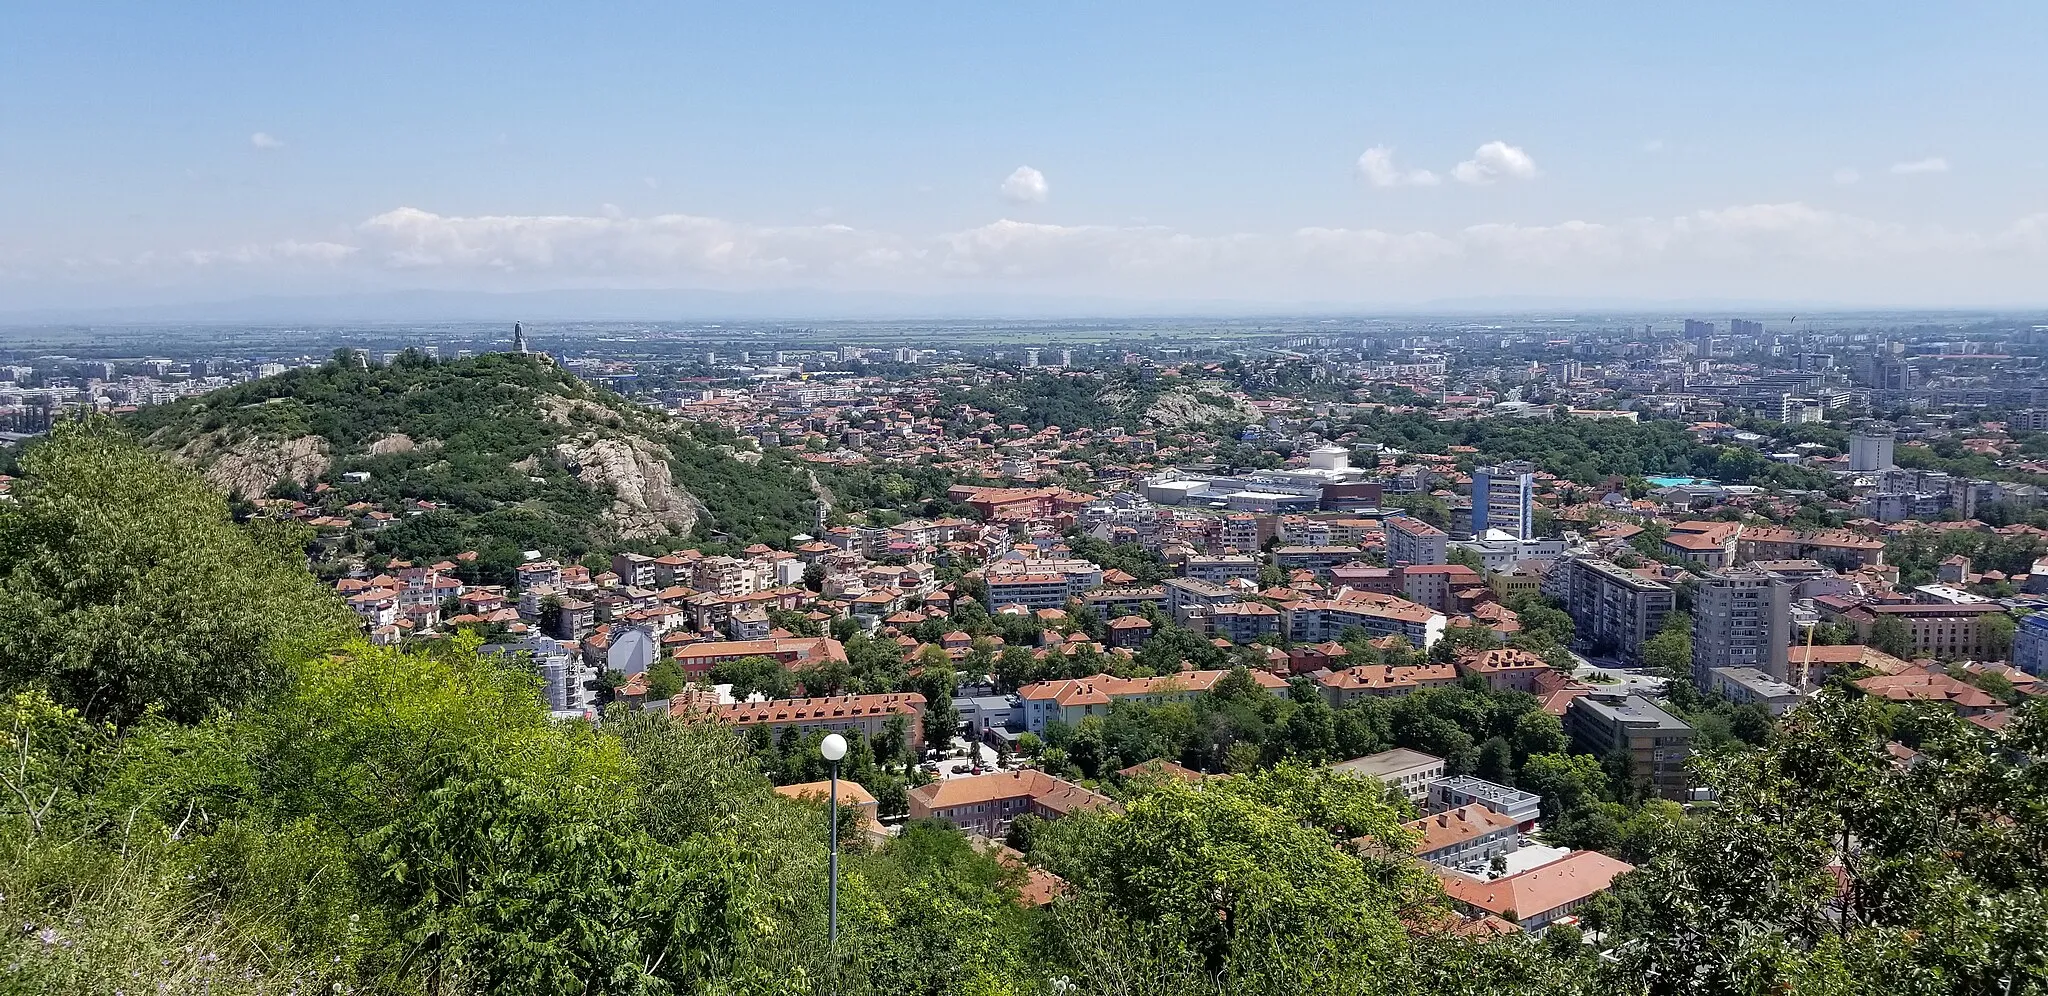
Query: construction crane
1806,665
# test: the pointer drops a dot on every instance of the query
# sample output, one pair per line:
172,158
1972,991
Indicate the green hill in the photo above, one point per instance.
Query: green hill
513,453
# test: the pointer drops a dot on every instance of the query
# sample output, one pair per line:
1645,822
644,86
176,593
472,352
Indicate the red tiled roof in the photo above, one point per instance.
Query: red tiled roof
1579,875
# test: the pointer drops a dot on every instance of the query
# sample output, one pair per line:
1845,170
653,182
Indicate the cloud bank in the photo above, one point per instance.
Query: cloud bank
1793,251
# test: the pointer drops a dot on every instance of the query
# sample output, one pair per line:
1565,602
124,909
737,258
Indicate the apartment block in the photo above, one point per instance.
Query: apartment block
1413,541
1948,631
1741,618
1315,558
1504,498
697,659
2030,645
1316,620
1348,685
1750,686
1032,591
1506,669
1524,808
1243,622
1613,608
1541,896
1408,772
1189,601
868,715
1657,742
1219,569
1436,585
1466,835
1071,700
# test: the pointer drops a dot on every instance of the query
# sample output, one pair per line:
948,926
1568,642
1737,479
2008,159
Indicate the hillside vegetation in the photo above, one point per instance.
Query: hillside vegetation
516,453
343,818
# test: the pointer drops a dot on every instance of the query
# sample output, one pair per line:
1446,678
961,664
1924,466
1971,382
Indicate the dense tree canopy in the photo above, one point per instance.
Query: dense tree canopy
1827,866
125,587
1587,451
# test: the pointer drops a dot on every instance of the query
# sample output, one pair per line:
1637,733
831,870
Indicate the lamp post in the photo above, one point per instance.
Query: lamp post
833,747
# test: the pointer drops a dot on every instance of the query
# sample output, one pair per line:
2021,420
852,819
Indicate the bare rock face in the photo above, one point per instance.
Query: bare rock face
397,442
646,500
566,411
1174,410
748,457
1183,408
251,466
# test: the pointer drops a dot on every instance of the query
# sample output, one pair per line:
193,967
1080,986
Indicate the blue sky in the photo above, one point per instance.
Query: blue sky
1862,153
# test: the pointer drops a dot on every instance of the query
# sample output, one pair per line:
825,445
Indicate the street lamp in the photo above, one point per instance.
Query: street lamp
833,747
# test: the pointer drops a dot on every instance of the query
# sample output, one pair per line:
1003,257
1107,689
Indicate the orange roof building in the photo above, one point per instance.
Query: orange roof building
1465,834
1507,668
851,795
867,714
1354,683
1921,685
1074,699
986,804
1540,896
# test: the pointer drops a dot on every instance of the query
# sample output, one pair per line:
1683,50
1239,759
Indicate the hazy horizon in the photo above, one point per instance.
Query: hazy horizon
1138,157
600,306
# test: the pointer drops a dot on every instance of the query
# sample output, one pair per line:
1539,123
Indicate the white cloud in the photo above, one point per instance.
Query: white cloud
1654,145
1846,176
1025,185
1933,164
1790,250
265,140
1495,161
688,247
288,251
1376,165
672,246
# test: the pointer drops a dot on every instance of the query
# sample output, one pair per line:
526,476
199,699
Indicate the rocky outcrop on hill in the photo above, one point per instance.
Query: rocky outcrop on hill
253,465
646,500
397,442
1193,406
495,454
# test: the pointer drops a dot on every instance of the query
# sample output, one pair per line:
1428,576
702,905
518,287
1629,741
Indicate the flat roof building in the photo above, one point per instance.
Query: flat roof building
1467,790
1407,771
1613,608
1656,742
1750,686
1742,618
